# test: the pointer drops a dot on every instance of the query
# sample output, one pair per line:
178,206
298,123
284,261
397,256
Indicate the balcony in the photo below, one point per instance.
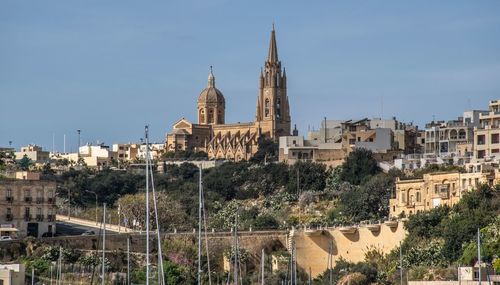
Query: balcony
348,230
39,200
51,218
28,218
9,199
28,199
39,218
51,200
9,217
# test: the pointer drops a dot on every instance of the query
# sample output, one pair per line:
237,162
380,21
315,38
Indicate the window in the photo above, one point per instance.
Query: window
27,212
9,192
418,197
494,138
495,150
266,108
9,211
464,182
278,108
352,141
481,139
476,182
481,153
27,193
461,134
403,196
211,116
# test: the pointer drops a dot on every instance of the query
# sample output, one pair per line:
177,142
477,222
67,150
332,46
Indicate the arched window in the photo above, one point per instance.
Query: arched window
453,134
461,134
278,108
266,108
202,116
220,120
211,116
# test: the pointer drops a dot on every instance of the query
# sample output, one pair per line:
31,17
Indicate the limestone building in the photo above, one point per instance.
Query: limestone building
237,141
27,206
436,189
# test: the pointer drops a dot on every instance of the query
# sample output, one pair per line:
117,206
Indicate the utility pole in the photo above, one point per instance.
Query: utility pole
79,142
96,206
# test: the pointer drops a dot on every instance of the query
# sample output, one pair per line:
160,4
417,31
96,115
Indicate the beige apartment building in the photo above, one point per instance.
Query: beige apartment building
487,134
27,207
434,190
33,152
387,139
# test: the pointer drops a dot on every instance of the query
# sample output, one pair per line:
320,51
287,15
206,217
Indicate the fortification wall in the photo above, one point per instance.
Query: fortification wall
352,243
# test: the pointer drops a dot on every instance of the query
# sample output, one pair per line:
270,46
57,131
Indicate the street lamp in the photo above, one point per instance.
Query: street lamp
93,192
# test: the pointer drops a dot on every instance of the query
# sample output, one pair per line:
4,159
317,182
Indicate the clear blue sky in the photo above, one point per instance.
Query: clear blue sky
110,67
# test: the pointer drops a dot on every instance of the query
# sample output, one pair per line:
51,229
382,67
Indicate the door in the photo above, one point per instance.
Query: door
33,229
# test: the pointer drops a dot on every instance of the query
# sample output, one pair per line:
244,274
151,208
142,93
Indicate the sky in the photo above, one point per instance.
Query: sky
108,68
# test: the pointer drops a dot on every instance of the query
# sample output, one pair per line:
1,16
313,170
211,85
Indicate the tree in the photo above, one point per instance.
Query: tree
170,213
25,163
368,201
310,176
359,165
267,150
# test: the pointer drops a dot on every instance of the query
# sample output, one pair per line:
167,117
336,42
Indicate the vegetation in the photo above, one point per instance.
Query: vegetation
270,195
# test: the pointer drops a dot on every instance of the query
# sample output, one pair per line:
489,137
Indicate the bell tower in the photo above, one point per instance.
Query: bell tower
273,113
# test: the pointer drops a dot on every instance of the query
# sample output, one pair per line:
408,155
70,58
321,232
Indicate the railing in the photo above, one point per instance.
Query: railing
51,218
9,199
28,218
51,200
9,217
39,200
28,199
39,218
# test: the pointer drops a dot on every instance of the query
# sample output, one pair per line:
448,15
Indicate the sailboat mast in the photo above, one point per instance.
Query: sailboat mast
147,204
235,269
103,243
479,255
262,260
199,226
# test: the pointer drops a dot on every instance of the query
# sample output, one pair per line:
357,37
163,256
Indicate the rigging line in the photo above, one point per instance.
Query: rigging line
206,237
96,252
160,254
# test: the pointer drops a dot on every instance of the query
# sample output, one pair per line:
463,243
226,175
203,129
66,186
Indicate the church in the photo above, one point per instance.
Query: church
236,141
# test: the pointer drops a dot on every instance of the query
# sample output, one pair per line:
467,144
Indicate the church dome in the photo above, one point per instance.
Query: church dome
211,94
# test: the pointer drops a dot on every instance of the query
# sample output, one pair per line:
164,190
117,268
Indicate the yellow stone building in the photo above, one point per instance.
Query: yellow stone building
435,189
238,141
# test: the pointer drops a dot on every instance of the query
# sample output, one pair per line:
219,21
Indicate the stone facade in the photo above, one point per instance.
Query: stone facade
387,139
349,243
27,206
487,134
434,190
238,141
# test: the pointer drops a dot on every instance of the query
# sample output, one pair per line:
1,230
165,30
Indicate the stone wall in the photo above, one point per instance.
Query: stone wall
350,243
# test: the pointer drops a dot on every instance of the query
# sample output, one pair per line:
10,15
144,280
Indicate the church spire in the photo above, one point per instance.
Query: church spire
273,48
